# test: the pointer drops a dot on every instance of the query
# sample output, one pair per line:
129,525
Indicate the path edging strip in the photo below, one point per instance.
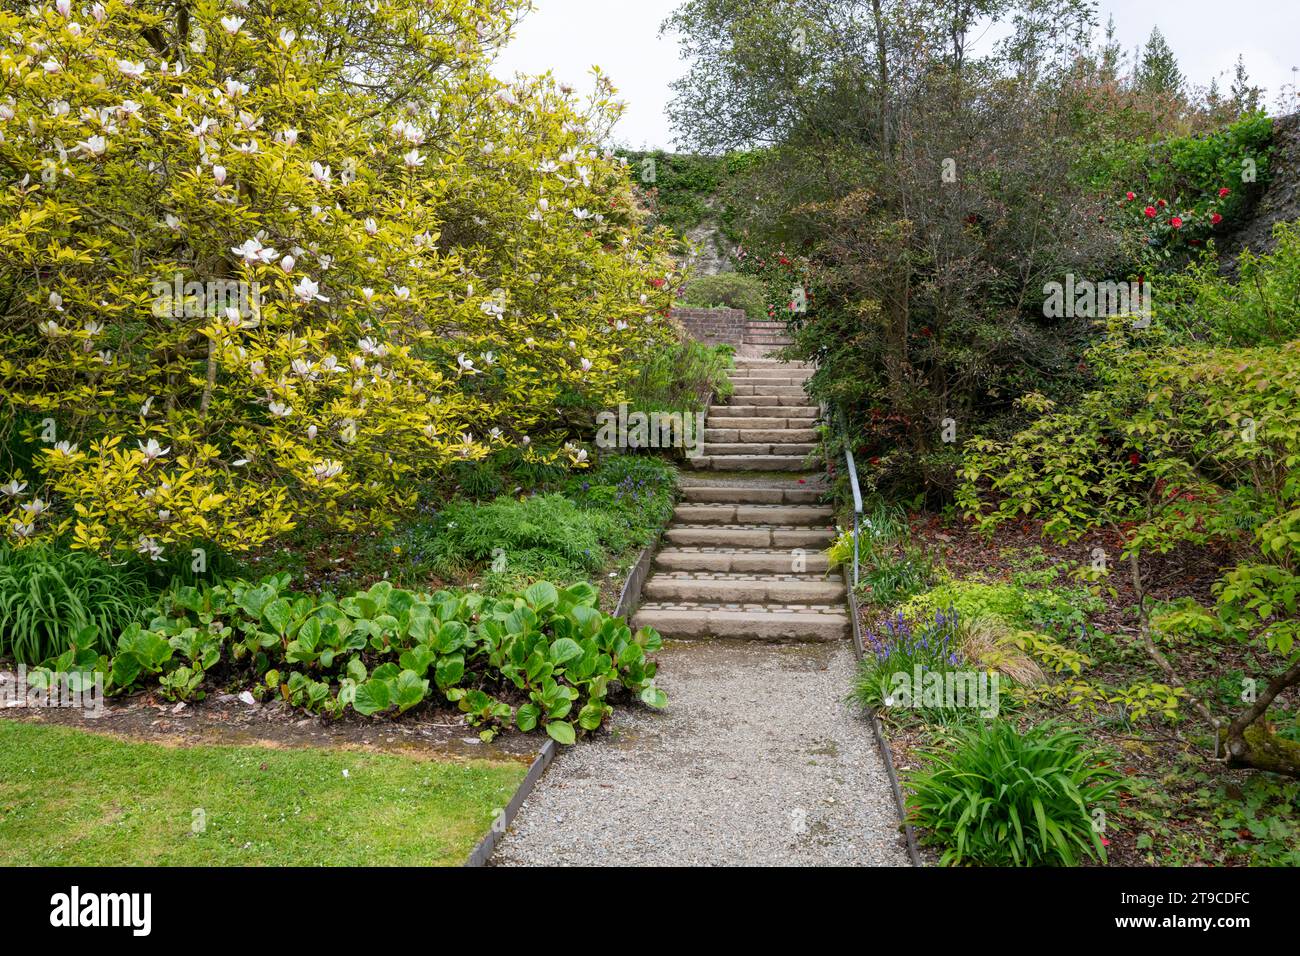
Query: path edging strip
483,852
859,651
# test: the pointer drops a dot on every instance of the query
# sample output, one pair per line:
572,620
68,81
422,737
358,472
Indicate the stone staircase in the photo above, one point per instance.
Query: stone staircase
743,556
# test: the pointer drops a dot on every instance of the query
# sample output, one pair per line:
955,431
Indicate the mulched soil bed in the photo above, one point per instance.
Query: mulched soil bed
226,719
1166,757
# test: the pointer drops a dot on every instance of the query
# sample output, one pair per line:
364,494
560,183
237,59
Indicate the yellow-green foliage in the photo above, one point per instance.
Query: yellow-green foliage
435,264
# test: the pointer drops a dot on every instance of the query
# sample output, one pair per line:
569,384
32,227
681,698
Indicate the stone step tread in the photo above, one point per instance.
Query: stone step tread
758,448
739,621
732,495
738,560
785,412
704,586
771,436
751,462
772,515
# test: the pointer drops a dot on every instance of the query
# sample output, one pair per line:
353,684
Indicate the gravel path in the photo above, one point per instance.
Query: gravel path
756,761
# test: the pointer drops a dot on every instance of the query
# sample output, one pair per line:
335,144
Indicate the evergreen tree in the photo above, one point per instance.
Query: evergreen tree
1157,71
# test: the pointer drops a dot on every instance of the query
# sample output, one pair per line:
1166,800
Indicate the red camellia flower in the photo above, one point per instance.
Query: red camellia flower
1225,191
1134,458
1176,222
657,283
1161,203
1150,212
784,261
1216,219
1130,196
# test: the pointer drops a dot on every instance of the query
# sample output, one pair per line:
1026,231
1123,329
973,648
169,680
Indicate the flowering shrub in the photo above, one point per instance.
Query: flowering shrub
260,263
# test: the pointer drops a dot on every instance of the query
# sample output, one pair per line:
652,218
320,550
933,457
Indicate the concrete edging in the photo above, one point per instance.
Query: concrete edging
859,651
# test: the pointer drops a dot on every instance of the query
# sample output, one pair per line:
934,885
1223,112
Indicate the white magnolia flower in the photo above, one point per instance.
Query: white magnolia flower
525,440
35,508
430,432
164,515
56,302
150,547
413,159
234,88
253,252
402,292
280,410
92,327
257,368
371,226
94,146
232,24
219,174
287,264
49,328
466,365
308,291
320,173
152,451
248,149
24,529
312,432
408,132
51,65
65,449
6,112
289,137
239,462
133,70
287,37
302,368
586,365
64,7
99,13
367,293
325,470
14,488
580,214
489,358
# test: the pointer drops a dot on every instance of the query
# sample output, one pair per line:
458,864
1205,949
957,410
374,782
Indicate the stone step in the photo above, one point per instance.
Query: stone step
755,514
777,373
755,361
754,423
783,436
754,338
742,495
751,462
799,400
767,388
758,448
701,587
786,413
742,560
737,536
798,623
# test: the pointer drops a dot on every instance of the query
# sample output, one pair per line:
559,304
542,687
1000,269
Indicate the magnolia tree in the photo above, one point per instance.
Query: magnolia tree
265,258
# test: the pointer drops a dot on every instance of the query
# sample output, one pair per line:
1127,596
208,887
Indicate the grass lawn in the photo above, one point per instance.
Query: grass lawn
68,797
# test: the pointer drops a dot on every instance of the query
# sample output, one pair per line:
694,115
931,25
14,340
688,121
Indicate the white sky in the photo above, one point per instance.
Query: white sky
567,37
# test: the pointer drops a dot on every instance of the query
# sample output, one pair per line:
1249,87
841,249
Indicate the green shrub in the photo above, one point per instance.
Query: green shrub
682,378
47,596
731,289
996,796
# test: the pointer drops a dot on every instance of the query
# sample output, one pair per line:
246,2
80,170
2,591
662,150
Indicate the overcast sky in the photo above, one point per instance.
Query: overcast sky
568,36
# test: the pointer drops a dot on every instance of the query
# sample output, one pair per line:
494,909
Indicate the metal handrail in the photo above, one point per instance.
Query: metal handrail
856,488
